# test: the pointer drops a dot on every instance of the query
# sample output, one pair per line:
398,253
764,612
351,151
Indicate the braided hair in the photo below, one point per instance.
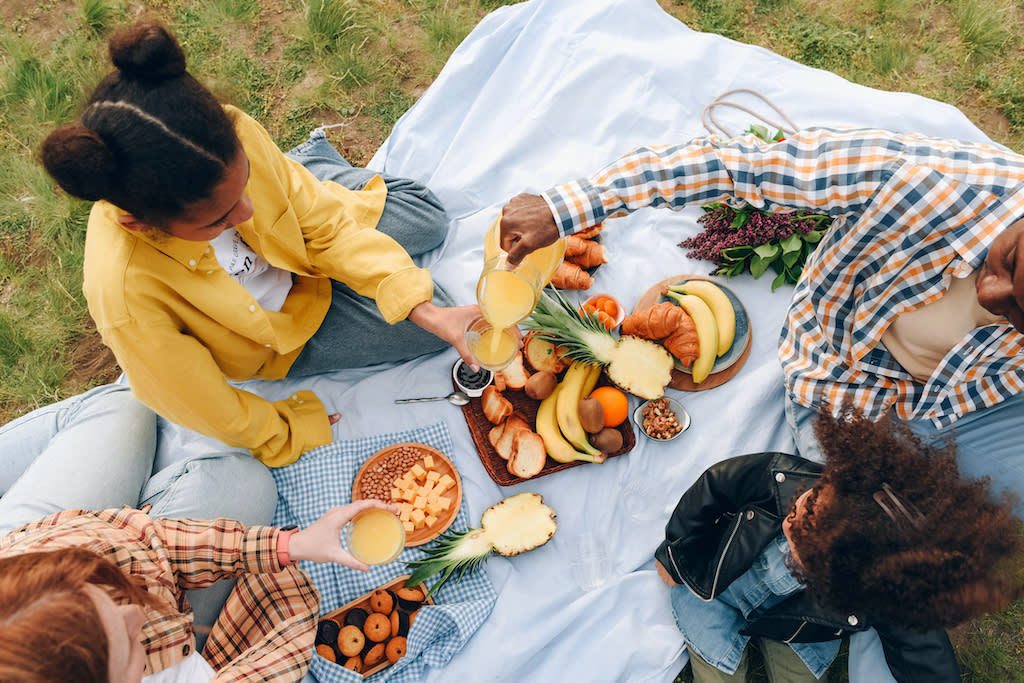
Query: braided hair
893,530
152,139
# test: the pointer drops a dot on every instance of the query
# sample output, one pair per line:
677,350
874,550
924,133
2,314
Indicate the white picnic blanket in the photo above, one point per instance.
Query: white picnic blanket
542,92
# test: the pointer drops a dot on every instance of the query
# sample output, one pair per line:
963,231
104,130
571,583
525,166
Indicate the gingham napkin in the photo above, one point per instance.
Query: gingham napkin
321,479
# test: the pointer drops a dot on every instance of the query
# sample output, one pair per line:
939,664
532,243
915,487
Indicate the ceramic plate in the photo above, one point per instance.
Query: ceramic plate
739,342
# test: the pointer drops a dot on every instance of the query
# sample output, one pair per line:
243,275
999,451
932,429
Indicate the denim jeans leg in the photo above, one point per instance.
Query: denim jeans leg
415,219
92,451
233,485
783,664
801,421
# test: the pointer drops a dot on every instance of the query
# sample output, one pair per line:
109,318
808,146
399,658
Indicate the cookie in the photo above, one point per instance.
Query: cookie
382,601
377,627
375,655
395,649
327,632
350,641
355,617
354,663
399,623
326,651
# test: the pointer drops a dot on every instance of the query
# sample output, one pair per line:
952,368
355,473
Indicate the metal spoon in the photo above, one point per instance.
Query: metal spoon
456,398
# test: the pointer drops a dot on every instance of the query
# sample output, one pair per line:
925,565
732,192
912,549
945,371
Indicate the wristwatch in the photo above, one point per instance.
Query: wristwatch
285,533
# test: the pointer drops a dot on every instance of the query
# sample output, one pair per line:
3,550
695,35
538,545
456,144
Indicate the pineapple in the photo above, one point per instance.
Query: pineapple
511,526
639,366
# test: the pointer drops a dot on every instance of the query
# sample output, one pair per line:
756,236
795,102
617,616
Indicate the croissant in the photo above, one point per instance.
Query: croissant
571,276
590,232
656,322
683,343
584,253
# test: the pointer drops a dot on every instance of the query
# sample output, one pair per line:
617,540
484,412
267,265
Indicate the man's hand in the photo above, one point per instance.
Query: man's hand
526,225
665,576
321,540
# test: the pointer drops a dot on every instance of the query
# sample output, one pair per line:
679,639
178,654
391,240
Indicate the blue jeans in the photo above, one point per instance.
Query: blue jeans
353,334
95,451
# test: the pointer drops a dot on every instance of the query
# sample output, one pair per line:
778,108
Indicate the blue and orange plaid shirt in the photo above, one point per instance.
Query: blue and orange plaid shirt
909,214
264,632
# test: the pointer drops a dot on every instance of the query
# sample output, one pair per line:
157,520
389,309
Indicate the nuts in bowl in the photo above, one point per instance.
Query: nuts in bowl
661,419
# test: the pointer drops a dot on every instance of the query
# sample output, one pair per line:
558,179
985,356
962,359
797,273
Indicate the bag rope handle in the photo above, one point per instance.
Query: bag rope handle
707,116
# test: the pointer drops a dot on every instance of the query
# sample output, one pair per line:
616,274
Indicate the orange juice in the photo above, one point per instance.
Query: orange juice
376,536
494,348
505,296
545,259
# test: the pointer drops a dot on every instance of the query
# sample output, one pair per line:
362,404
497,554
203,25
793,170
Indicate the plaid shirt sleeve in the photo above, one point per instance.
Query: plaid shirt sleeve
910,212
203,552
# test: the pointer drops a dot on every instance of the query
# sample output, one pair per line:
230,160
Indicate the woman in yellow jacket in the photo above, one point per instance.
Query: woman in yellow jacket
212,256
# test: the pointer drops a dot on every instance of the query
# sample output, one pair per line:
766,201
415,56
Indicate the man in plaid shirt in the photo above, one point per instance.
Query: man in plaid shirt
265,631
913,301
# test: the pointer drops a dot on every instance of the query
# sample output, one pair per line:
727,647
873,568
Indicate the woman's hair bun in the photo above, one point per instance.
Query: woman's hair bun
147,51
79,161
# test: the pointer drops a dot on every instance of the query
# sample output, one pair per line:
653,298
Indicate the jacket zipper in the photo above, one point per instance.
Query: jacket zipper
721,559
795,633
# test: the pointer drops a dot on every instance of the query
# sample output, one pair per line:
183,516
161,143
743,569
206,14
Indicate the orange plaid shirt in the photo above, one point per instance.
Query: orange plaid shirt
265,631
909,214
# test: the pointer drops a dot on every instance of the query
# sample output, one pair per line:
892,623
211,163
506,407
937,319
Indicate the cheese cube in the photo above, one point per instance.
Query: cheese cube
433,475
408,476
444,483
404,507
430,520
408,494
425,490
418,472
409,527
398,482
417,518
428,461
419,502
396,494
444,502
434,495
433,507
405,515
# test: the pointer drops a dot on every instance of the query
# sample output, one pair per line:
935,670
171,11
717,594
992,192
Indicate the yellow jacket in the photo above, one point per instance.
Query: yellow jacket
179,324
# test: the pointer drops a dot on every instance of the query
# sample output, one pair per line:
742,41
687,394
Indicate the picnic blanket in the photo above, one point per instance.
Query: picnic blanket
539,93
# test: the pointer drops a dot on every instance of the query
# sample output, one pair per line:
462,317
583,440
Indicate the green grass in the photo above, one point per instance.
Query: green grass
297,64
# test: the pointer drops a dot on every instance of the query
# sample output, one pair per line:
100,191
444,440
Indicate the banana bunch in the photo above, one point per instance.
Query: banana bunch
714,318
558,419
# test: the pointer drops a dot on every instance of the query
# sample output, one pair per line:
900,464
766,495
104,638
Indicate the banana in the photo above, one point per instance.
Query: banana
567,407
707,333
591,381
721,308
557,447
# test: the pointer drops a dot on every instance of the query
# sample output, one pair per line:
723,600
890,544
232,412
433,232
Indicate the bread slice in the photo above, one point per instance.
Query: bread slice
506,444
496,407
528,456
515,375
494,435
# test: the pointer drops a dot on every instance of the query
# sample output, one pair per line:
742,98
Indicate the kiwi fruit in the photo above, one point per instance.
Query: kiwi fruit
540,385
591,415
608,440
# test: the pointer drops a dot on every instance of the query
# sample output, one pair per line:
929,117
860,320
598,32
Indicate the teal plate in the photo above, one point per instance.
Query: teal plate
739,341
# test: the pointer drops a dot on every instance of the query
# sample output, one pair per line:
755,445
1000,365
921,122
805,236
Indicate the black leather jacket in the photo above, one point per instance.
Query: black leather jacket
723,522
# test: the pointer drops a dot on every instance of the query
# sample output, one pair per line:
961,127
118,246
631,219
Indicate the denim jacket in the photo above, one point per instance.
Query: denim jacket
724,522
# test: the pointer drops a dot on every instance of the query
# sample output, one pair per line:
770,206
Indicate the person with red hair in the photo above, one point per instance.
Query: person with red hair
98,597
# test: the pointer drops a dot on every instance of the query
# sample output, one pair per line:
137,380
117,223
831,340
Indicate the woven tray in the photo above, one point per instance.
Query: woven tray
479,426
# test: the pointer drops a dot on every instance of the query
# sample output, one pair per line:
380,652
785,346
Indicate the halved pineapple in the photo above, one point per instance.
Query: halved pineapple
639,366
509,527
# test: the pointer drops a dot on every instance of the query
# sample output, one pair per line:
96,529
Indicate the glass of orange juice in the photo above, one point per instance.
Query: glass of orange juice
375,536
494,348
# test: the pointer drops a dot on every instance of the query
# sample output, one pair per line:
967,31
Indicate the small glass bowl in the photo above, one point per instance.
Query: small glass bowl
675,406
471,383
620,310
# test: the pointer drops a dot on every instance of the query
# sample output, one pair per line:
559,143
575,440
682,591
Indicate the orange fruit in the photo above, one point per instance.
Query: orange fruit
615,404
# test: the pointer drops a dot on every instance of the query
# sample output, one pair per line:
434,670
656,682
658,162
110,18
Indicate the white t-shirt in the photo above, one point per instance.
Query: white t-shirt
192,669
267,284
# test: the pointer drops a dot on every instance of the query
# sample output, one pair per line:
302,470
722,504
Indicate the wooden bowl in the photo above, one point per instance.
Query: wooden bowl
442,464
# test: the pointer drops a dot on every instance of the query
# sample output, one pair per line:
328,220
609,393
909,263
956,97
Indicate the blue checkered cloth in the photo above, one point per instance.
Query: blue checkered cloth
321,479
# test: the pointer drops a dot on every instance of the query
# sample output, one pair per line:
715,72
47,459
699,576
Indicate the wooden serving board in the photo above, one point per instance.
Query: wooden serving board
682,380
525,406
363,602
442,464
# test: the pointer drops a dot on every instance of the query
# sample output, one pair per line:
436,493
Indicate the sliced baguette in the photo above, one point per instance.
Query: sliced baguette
528,455
494,435
515,375
496,407
506,444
